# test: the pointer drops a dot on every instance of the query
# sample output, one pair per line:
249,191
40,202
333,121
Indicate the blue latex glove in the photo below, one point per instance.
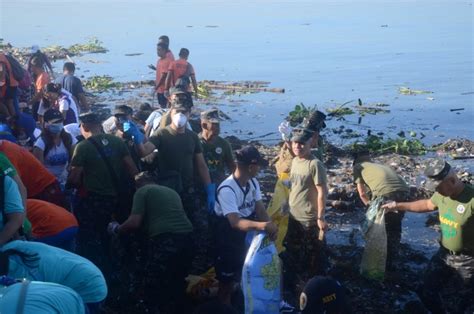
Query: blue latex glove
211,197
131,129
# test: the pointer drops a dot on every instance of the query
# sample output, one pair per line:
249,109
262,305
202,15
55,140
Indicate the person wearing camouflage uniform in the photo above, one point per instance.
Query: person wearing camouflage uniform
158,214
179,159
454,261
304,243
100,198
373,181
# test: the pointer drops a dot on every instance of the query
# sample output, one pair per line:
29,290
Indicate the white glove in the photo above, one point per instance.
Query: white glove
285,130
112,228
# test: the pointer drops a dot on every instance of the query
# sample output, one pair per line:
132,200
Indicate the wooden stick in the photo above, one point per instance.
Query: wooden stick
245,88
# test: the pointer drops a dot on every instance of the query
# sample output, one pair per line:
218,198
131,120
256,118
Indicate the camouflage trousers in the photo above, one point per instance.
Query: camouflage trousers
93,214
393,227
446,268
160,283
196,211
304,255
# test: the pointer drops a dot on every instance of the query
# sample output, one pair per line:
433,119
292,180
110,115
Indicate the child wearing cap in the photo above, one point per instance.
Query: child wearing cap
239,209
306,224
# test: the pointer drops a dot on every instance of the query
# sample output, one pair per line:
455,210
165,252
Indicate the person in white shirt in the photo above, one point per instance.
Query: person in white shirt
60,99
239,208
54,147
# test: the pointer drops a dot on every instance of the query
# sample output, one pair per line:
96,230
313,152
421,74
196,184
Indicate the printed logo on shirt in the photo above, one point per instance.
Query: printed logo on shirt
219,150
461,209
448,226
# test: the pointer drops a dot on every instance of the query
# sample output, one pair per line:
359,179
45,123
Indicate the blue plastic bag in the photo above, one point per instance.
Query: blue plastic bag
261,276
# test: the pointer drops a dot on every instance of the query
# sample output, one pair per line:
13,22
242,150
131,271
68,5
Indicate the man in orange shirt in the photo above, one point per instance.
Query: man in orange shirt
182,69
161,73
42,79
51,224
39,182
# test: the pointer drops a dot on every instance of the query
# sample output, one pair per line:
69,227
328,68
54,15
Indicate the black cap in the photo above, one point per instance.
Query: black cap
123,110
90,117
249,155
211,115
53,116
315,121
142,115
360,152
435,171
301,135
323,295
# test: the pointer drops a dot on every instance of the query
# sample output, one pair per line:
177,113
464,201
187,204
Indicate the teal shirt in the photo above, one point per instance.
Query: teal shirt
41,298
13,202
58,266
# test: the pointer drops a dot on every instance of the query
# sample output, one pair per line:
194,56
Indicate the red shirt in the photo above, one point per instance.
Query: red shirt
48,219
162,66
32,172
180,67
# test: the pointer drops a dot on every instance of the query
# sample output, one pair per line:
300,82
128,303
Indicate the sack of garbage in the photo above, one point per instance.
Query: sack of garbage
278,208
261,277
374,257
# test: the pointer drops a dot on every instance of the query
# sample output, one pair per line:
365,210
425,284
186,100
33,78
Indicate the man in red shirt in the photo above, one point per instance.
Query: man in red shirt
182,69
162,67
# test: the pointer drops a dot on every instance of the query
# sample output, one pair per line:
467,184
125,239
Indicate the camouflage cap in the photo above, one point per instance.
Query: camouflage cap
211,115
301,134
315,121
181,104
435,172
90,117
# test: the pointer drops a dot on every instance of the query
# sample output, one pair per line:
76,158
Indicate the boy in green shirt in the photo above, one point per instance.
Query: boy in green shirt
303,257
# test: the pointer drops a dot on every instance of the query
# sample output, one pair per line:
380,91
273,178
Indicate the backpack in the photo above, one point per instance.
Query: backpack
26,82
17,70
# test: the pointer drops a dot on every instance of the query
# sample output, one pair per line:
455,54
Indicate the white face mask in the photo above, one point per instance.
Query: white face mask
179,120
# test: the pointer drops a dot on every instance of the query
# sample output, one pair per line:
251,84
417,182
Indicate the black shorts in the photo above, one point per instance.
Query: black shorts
162,100
230,251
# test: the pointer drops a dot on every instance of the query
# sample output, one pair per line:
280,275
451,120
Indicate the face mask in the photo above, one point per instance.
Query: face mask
179,120
55,128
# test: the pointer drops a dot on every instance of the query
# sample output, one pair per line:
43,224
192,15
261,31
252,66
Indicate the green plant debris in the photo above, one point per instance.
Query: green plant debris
339,112
409,91
203,91
403,146
92,46
101,83
297,115
363,110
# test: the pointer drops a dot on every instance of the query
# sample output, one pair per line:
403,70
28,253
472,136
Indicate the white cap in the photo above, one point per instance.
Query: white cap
34,48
